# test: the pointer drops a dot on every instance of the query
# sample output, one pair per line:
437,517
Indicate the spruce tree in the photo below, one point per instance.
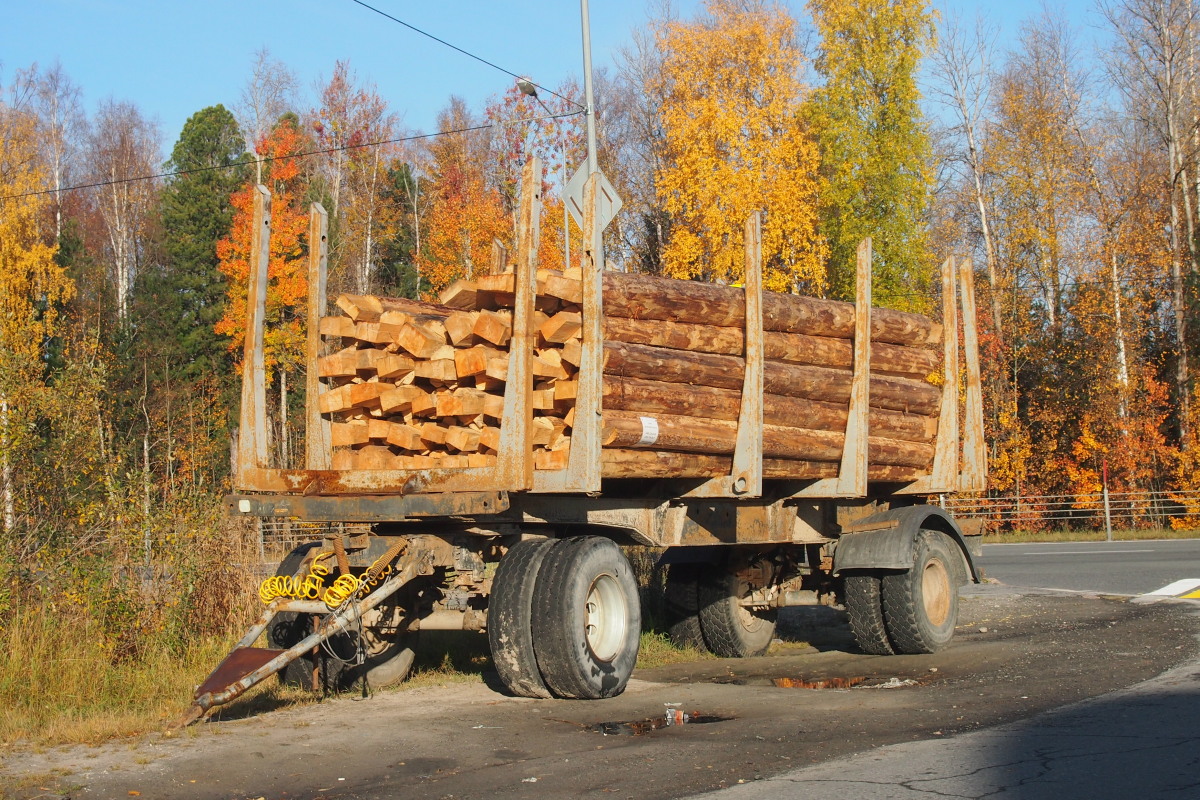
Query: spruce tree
187,295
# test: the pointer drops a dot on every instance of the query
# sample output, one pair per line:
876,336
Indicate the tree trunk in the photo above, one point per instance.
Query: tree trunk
637,296
416,195
623,429
660,397
1119,335
1182,390
725,372
1050,287
6,472
284,458
990,253
616,463
146,538
796,348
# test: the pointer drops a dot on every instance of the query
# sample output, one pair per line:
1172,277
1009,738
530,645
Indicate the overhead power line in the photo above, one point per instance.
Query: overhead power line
267,159
466,53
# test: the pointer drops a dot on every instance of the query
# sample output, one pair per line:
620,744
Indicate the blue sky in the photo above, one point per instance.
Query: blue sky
173,58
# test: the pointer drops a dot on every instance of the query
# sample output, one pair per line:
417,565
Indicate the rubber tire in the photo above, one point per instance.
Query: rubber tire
510,618
920,606
730,629
573,573
386,668
681,606
864,607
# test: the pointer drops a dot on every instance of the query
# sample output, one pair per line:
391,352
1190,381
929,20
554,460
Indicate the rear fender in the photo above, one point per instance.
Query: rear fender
888,540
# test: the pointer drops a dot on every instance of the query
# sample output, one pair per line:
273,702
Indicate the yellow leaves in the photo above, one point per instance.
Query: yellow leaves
1009,459
735,143
31,284
883,35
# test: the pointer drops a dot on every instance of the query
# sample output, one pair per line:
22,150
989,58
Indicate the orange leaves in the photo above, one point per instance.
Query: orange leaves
463,220
465,213
287,288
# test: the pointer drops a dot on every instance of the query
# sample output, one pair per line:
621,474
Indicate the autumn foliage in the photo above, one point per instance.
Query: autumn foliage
287,287
735,142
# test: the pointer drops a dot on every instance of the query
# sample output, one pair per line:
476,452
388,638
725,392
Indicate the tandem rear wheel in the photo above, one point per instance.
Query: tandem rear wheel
911,611
708,607
564,618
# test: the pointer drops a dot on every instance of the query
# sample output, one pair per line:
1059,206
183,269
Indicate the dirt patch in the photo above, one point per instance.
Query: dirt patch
1013,655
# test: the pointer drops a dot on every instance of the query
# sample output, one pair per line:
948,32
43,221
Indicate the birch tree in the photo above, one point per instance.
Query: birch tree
1151,68
636,132
56,100
961,65
124,149
354,127
32,287
875,154
267,96
734,142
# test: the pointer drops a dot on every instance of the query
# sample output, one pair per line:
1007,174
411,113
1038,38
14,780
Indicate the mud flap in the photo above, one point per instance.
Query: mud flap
887,540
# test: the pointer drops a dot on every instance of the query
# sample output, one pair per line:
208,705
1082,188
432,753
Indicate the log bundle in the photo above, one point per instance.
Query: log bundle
417,385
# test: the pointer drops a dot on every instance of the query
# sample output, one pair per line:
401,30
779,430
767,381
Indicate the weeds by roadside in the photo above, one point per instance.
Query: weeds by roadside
110,640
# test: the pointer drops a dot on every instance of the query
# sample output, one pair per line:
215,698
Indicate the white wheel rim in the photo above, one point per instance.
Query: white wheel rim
606,617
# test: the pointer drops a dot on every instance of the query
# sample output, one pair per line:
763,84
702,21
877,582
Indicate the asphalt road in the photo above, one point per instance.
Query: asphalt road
1133,742
1118,568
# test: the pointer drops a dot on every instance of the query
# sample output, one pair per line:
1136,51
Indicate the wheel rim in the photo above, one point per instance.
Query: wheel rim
745,615
935,592
606,618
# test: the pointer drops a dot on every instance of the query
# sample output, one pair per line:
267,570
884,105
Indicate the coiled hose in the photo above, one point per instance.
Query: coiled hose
311,586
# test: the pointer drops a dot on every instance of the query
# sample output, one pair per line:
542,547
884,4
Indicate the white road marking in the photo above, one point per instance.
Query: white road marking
1082,552
1177,588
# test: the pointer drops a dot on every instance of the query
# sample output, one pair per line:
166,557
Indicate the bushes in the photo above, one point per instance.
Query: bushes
101,641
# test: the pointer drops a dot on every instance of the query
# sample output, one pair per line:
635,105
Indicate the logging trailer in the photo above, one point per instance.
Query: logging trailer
763,486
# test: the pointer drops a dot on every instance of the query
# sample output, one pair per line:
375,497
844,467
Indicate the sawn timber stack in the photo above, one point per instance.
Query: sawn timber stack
412,385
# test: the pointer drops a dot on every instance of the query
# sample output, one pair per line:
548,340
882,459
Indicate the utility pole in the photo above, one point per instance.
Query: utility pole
588,99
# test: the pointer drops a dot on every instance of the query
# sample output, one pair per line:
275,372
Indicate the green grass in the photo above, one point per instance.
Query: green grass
657,650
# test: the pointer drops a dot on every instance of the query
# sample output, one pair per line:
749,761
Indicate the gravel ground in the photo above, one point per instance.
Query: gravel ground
1015,654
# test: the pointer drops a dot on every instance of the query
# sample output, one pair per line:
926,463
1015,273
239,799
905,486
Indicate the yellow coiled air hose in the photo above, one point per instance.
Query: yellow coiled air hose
312,585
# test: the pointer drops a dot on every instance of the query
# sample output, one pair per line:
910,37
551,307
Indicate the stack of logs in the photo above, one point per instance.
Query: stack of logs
416,385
